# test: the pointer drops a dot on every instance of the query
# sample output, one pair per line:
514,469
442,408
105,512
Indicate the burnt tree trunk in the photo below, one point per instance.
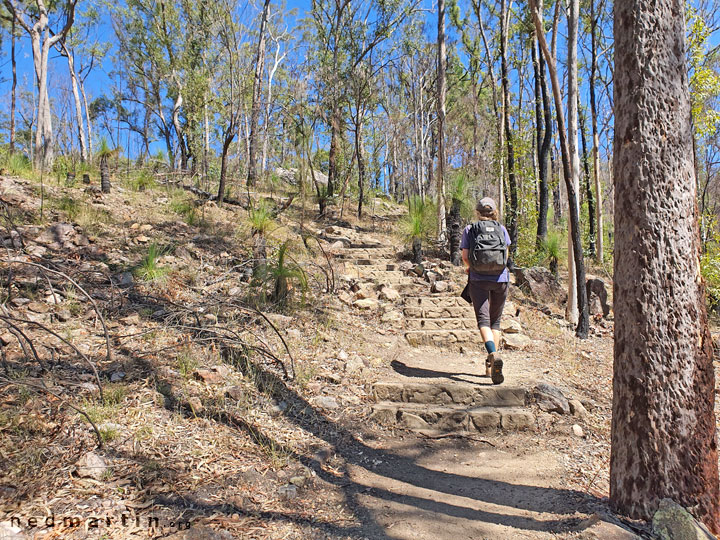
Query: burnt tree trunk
663,427
104,175
454,227
588,186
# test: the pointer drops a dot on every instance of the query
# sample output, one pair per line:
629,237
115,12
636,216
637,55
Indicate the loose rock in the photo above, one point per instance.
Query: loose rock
551,399
673,522
91,465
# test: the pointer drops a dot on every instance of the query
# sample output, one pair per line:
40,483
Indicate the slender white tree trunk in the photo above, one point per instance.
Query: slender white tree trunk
571,309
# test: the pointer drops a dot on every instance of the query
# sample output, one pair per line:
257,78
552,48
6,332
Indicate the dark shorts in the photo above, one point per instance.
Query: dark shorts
488,298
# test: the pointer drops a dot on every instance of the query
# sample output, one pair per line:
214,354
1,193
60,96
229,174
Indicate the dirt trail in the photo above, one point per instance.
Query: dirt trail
483,485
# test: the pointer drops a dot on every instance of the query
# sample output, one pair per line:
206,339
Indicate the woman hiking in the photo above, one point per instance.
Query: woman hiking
484,247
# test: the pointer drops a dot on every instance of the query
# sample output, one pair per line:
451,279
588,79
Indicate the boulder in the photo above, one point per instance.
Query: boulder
597,297
549,398
440,287
540,283
672,522
366,303
389,294
515,342
510,326
577,408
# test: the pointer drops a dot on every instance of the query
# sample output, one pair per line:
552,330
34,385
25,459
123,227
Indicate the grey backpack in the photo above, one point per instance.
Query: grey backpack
488,250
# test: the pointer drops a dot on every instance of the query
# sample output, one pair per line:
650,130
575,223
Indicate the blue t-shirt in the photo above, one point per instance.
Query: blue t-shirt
474,276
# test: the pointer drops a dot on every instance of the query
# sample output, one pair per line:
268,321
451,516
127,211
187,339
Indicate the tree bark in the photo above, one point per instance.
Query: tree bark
571,308
588,186
14,87
664,442
511,215
583,325
76,99
544,153
257,91
441,97
359,151
595,136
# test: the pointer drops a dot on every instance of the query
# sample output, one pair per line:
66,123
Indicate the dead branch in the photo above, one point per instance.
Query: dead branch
92,300
45,389
7,319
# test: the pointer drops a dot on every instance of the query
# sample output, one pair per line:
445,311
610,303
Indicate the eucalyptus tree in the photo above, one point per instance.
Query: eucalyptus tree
664,432
257,91
46,25
578,275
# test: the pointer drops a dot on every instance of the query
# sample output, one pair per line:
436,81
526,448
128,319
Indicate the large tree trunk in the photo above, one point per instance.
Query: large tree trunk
664,441
583,324
179,131
595,136
441,96
257,92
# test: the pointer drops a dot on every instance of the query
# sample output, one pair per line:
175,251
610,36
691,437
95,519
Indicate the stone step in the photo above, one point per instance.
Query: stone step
452,418
451,312
434,301
442,338
367,253
368,265
441,324
450,393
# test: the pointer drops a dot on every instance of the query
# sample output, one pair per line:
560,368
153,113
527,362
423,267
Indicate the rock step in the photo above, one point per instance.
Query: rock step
368,265
452,312
442,338
435,301
437,323
367,253
450,394
452,418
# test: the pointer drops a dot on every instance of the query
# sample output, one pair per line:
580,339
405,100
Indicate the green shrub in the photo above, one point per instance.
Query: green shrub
260,216
186,208
149,269
142,181
552,249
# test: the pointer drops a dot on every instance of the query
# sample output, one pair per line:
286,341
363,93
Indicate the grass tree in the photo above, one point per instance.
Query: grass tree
459,196
261,220
418,225
104,154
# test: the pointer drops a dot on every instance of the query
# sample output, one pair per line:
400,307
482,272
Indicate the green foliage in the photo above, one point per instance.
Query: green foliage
704,80
420,222
260,216
459,192
15,164
142,181
149,269
180,204
281,274
70,206
553,246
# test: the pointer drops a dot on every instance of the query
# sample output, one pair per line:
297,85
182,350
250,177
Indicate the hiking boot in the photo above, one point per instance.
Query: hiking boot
496,374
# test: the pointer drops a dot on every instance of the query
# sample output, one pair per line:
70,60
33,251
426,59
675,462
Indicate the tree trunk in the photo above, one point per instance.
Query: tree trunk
257,92
14,86
588,186
359,150
227,141
179,131
441,96
664,442
583,325
571,308
104,174
544,154
455,232
78,106
595,136
511,213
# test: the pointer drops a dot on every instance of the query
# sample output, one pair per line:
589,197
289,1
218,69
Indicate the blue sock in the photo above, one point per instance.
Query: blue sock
490,346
